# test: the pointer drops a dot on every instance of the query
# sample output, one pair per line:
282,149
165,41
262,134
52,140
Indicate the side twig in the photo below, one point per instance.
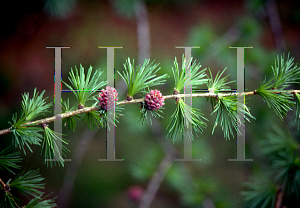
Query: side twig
279,197
7,189
155,181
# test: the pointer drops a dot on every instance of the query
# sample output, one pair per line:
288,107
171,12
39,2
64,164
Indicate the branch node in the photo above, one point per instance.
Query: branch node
7,188
129,98
58,116
177,100
80,106
44,126
176,92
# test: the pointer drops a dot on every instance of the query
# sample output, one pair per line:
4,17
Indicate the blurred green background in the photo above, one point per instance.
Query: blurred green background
146,29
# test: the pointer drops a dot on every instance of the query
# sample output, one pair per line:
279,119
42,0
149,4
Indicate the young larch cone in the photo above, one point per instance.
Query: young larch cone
154,100
107,97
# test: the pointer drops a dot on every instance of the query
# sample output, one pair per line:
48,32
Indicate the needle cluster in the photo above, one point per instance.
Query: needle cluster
186,122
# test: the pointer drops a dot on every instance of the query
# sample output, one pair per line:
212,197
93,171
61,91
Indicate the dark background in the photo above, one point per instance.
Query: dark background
29,27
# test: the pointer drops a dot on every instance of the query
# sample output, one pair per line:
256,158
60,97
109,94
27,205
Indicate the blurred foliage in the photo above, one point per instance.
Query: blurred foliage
190,184
282,176
127,7
59,8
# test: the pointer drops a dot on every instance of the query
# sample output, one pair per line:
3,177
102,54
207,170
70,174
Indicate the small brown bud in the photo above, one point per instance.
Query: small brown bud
129,98
7,188
44,125
80,106
176,92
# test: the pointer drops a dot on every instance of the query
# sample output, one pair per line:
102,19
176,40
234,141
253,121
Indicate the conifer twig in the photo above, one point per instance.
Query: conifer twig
4,131
7,189
140,100
2,184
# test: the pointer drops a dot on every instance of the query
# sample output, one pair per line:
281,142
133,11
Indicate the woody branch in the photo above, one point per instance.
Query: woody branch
140,100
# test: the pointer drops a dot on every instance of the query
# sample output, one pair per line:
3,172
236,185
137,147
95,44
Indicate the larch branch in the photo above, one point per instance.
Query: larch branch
140,100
